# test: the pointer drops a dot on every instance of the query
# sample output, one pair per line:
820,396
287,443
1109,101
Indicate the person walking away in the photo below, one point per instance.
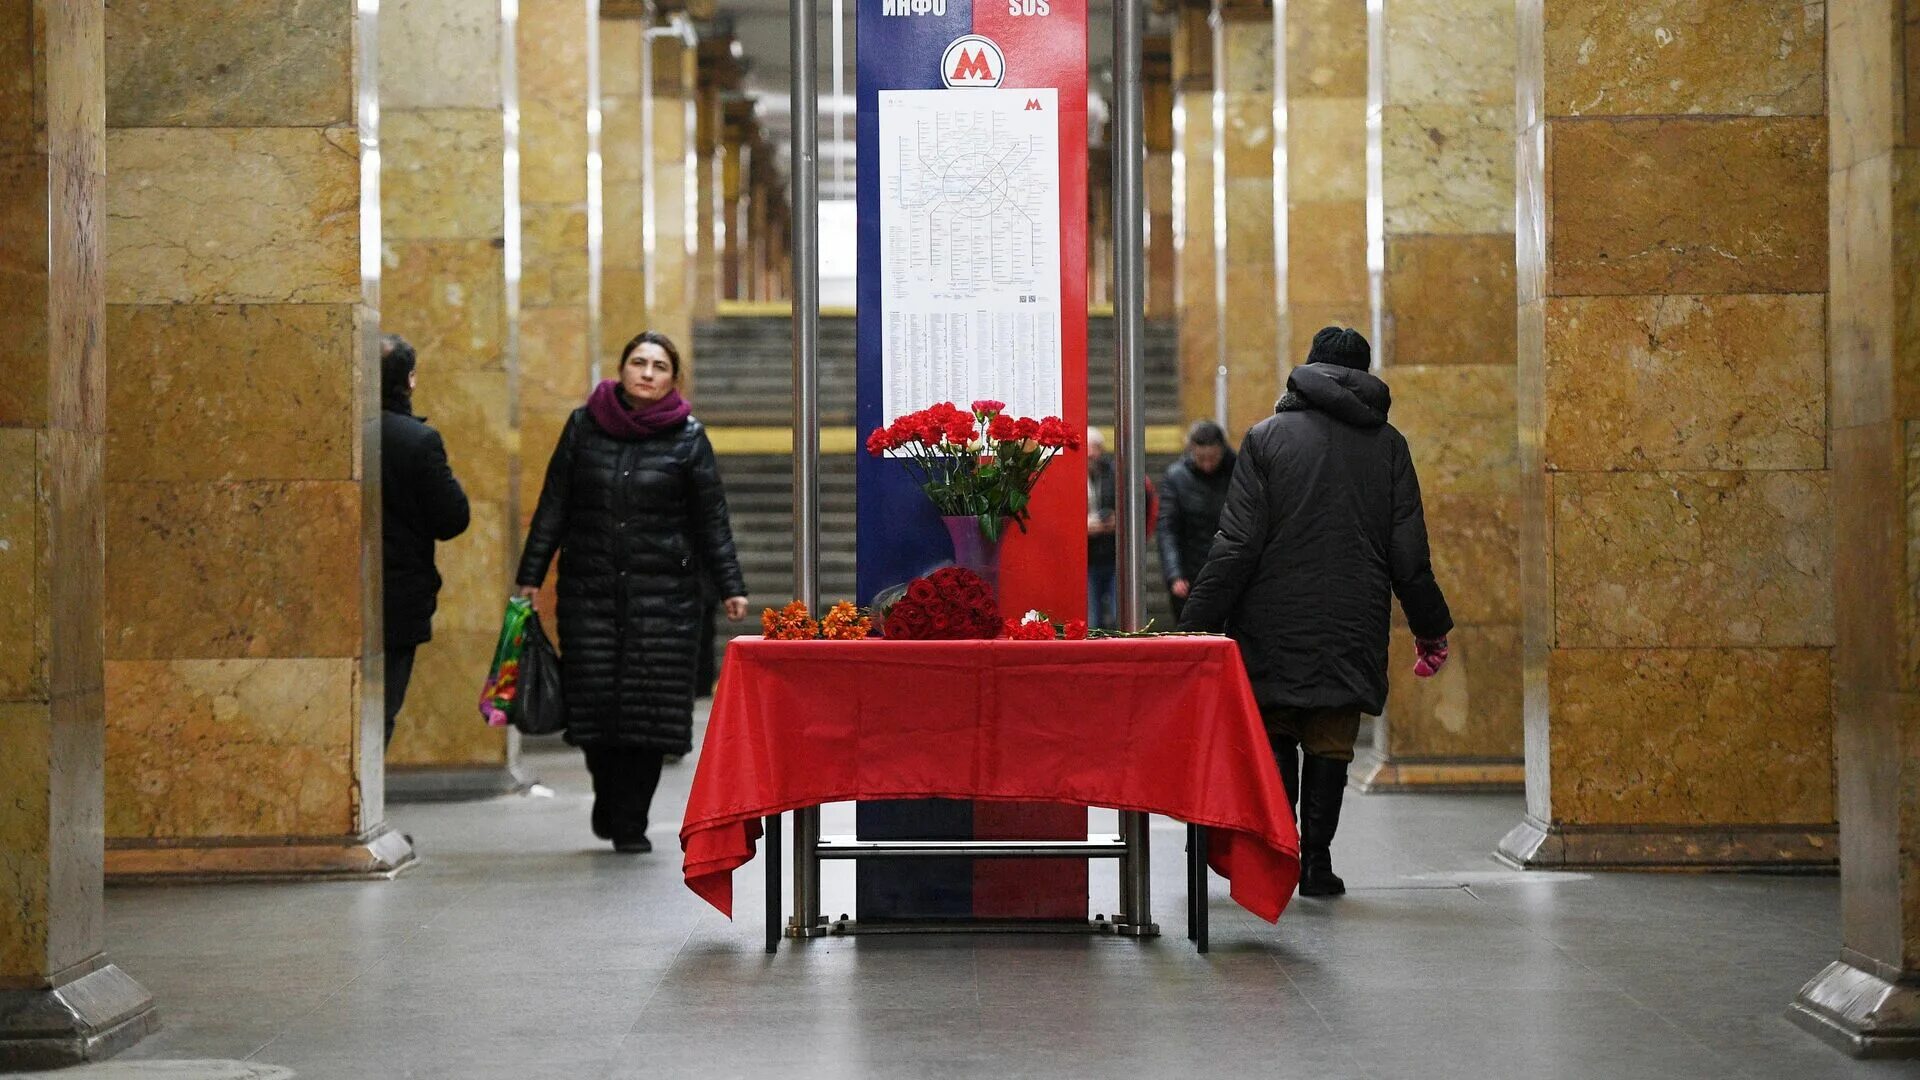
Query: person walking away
635,509
1322,527
422,503
1191,496
1102,557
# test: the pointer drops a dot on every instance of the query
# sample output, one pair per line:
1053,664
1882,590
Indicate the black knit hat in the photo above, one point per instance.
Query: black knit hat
1341,346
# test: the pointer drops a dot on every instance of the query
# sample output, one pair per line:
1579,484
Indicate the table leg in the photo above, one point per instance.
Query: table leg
770,851
1193,920
1199,886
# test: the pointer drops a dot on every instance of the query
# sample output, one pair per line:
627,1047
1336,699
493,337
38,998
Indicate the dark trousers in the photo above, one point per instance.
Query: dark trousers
1179,608
1102,597
623,783
399,674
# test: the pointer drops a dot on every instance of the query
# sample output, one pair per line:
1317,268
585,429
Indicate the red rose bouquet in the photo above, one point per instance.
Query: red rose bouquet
981,463
950,604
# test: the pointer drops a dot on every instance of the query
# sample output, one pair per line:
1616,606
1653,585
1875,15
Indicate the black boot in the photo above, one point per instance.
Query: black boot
1323,786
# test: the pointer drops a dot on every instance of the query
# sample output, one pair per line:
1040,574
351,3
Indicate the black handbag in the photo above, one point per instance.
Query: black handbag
539,708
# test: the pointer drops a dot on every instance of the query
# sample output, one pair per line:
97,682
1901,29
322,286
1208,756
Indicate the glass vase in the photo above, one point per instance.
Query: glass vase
973,550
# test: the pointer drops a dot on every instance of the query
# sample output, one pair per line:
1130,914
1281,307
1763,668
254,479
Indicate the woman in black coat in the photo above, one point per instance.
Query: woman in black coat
1323,526
634,506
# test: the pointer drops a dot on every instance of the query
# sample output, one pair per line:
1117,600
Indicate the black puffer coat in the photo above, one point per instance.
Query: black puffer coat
635,524
1190,505
422,503
1323,527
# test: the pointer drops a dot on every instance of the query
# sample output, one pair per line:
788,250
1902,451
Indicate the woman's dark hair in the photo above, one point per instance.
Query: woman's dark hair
396,363
1206,433
652,337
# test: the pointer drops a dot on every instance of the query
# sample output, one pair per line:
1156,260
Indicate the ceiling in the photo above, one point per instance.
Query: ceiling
761,26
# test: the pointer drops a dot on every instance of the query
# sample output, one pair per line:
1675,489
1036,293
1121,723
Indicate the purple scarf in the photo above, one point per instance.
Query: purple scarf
629,424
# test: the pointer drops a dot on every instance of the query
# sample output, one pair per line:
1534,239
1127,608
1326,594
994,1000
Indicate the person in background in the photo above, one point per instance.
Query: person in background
1191,496
1102,558
634,507
1322,528
422,503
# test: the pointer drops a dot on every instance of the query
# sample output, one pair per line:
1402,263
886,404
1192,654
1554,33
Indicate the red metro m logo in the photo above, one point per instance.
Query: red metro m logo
972,61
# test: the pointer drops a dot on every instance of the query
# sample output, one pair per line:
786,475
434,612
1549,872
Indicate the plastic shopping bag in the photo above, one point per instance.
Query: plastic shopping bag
539,708
503,678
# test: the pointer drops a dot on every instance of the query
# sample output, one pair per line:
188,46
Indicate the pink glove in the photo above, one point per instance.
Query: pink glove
1430,655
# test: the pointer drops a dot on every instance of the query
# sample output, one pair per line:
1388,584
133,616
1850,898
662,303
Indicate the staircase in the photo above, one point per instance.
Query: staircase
743,378
743,371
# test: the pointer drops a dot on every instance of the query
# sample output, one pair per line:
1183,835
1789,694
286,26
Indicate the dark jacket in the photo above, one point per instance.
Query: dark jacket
635,524
1323,527
423,503
1102,499
1190,504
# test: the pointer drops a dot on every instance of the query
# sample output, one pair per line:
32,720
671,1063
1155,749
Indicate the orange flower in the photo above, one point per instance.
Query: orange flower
845,623
791,623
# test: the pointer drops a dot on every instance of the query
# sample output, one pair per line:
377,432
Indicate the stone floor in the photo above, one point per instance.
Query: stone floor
522,949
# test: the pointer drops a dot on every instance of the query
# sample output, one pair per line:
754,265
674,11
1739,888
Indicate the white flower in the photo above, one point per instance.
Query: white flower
1033,616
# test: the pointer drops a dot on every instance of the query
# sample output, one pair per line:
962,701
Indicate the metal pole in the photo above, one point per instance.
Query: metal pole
1130,472
804,139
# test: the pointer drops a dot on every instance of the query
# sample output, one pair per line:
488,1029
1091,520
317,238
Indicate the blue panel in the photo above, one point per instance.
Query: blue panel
899,535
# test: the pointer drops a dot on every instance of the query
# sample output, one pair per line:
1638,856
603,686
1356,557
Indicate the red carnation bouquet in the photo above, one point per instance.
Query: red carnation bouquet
950,604
980,463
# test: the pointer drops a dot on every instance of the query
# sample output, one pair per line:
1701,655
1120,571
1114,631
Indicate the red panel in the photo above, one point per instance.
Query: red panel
1047,567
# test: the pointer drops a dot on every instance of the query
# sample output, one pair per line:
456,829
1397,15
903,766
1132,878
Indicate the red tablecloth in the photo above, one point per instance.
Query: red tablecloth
1164,725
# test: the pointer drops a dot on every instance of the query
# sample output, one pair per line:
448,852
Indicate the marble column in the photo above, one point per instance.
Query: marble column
244,655
736,137
1677,546
1156,79
1244,80
446,235
1442,135
671,193
1100,224
1196,281
714,61
61,1000
560,204
623,150
1868,1000
1324,102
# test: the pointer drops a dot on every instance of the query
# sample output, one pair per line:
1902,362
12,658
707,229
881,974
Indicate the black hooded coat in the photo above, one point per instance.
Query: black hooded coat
1322,528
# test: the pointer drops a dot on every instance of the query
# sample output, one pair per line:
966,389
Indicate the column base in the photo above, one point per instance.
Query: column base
379,855
1860,1012
1536,846
1375,774
429,784
89,1013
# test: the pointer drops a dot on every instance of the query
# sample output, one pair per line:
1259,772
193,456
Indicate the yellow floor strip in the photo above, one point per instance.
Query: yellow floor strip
741,441
761,309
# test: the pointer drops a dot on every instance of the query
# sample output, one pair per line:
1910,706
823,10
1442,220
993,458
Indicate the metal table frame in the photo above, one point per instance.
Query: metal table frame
1129,848
1130,845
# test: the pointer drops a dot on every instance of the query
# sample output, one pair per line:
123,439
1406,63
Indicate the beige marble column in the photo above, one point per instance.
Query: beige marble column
1443,139
714,61
1156,84
244,659
61,1000
737,128
623,149
1677,544
671,193
446,234
558,47
1868,1000
1244,78
1324,104
1100,224
1197,280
